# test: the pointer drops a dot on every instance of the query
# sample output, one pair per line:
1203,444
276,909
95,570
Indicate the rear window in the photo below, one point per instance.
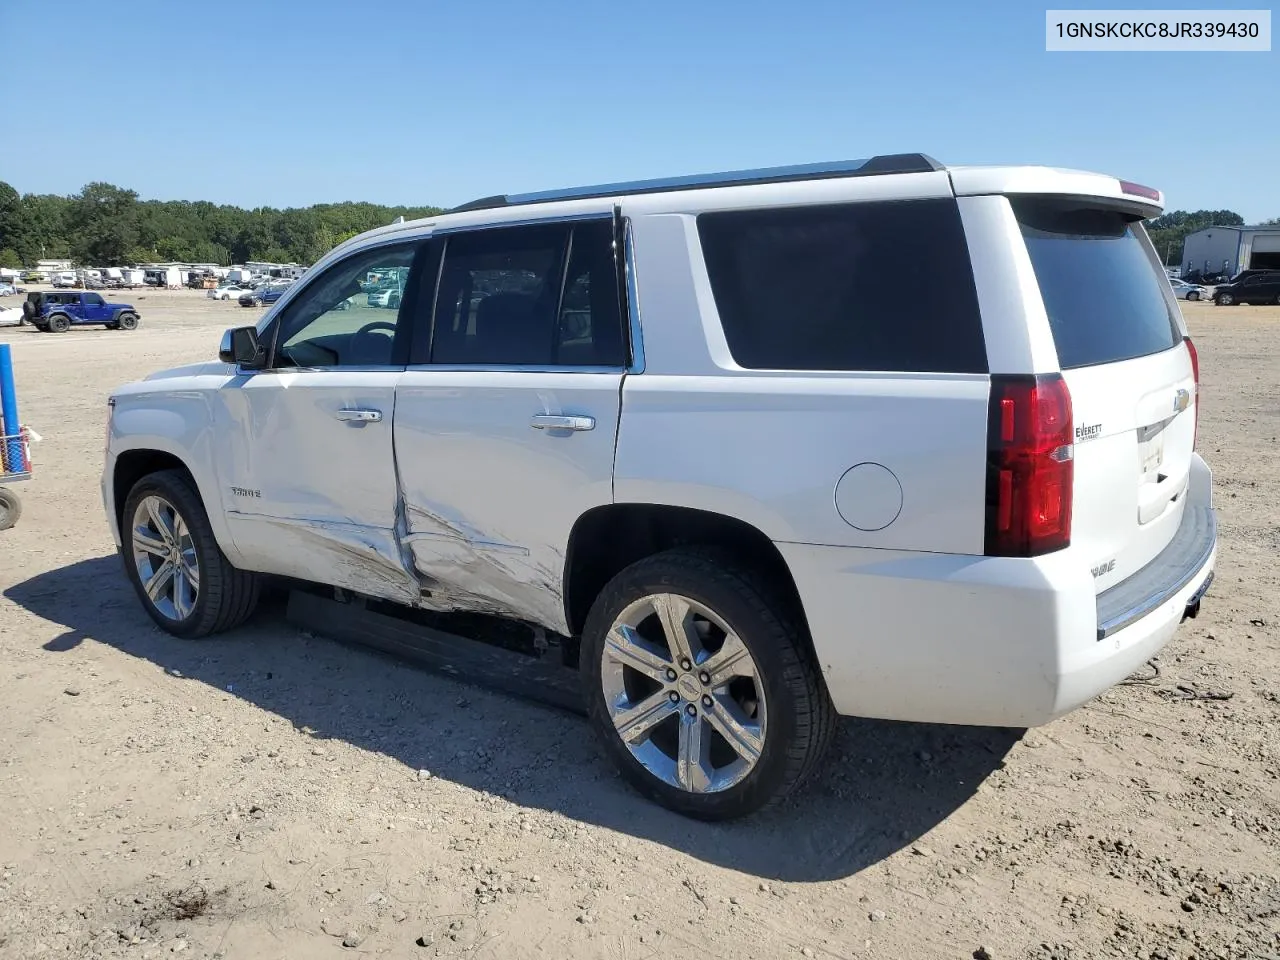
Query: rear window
1103,295
882,286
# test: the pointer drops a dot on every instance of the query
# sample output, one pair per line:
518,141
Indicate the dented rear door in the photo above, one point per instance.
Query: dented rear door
505,426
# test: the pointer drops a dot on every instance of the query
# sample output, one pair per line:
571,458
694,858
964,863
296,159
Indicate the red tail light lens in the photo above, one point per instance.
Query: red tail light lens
1195,373
1030,466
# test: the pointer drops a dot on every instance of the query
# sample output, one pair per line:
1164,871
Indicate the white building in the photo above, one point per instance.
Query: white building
1231,249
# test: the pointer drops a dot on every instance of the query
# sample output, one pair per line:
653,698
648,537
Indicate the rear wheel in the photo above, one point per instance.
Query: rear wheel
10,508
185,583
127,321
701,686
58,323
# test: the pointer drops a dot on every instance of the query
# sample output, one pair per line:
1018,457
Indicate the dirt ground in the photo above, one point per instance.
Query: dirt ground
273,794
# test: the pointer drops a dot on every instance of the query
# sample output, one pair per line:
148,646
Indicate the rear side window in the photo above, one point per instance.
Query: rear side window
882,286
1103,295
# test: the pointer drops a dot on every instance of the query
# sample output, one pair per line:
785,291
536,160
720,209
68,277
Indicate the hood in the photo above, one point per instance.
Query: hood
207,368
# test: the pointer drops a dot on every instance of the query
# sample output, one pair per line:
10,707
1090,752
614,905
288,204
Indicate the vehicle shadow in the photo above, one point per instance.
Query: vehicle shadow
884,784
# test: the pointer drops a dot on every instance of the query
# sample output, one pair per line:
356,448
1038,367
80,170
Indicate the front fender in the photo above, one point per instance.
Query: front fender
180,424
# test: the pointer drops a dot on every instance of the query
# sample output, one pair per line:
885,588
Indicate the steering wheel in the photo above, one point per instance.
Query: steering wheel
356,344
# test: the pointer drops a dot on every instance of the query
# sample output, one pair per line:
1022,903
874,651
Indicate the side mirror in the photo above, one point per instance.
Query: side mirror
240,346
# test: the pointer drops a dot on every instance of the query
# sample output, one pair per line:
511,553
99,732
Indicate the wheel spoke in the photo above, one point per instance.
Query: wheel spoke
158,521
180,605
731,660
634,724
741,734
626,647
143,540
673,611
692,766
159,580
179,529
191,568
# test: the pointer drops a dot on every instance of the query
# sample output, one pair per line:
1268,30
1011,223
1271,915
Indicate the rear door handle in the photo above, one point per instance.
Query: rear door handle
357,415
545,421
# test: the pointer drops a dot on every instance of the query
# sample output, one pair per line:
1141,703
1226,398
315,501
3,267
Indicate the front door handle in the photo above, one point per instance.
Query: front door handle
545,421
355,415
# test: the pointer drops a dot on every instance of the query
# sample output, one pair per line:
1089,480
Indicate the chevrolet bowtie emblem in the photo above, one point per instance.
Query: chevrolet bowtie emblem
1181,400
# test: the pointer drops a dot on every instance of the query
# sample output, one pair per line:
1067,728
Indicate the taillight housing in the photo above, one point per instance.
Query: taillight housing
1030,465
1195,373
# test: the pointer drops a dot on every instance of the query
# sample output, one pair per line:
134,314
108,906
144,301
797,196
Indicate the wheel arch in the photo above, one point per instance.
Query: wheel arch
132,464
609,538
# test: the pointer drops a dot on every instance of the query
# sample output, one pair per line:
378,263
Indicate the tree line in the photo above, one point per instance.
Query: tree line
105,225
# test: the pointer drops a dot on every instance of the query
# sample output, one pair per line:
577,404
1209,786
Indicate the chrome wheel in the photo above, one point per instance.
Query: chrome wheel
683,692
164,554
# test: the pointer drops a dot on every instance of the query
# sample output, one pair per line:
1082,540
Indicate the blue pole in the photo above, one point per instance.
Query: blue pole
11,448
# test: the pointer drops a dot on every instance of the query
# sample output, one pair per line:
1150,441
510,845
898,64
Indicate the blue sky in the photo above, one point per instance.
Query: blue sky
302,101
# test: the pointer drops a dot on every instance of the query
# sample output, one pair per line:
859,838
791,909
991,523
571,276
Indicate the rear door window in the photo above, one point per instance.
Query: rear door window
1104,296
880,286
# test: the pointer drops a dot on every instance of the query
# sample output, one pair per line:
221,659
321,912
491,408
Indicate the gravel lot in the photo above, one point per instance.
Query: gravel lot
272,794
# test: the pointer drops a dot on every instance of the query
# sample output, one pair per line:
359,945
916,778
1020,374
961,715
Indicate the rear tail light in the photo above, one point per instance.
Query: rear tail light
1195,373
1030,465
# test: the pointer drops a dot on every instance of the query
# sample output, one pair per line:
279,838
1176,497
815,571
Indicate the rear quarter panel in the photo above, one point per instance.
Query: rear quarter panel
770,448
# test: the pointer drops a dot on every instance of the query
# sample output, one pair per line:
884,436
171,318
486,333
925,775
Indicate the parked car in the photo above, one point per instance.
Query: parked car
33,276
58,312
387,297
1251,286
752,487
228,291
1188,291
261,295
8,290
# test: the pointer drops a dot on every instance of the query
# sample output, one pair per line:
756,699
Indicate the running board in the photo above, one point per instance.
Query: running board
468,661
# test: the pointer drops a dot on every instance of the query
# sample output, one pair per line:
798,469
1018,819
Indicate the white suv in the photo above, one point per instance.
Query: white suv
883,438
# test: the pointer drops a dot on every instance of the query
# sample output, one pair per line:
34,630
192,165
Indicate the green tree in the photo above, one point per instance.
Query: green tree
9,258
106,223
10,207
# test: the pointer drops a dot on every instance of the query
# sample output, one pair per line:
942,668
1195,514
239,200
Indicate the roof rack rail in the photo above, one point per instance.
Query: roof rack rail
874,166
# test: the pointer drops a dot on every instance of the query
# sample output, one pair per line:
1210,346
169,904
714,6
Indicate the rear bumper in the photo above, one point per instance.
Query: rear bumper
993,641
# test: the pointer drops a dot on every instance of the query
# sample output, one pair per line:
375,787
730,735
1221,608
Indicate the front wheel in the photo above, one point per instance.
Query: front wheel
701,686
185,583
1193,295
127,321
1224,300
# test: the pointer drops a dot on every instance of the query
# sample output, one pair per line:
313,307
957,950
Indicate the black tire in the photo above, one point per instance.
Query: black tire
1193,295
226,597
127,320
801,718
58,323
1224,300
10,508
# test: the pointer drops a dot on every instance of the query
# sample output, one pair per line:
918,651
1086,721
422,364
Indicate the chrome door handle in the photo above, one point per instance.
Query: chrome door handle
352,415
544,421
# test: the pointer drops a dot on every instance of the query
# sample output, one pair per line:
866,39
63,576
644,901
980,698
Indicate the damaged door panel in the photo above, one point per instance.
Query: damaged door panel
323,492
490,500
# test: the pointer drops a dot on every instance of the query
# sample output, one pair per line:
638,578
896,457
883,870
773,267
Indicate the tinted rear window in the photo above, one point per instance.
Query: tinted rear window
1104,297
880,286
